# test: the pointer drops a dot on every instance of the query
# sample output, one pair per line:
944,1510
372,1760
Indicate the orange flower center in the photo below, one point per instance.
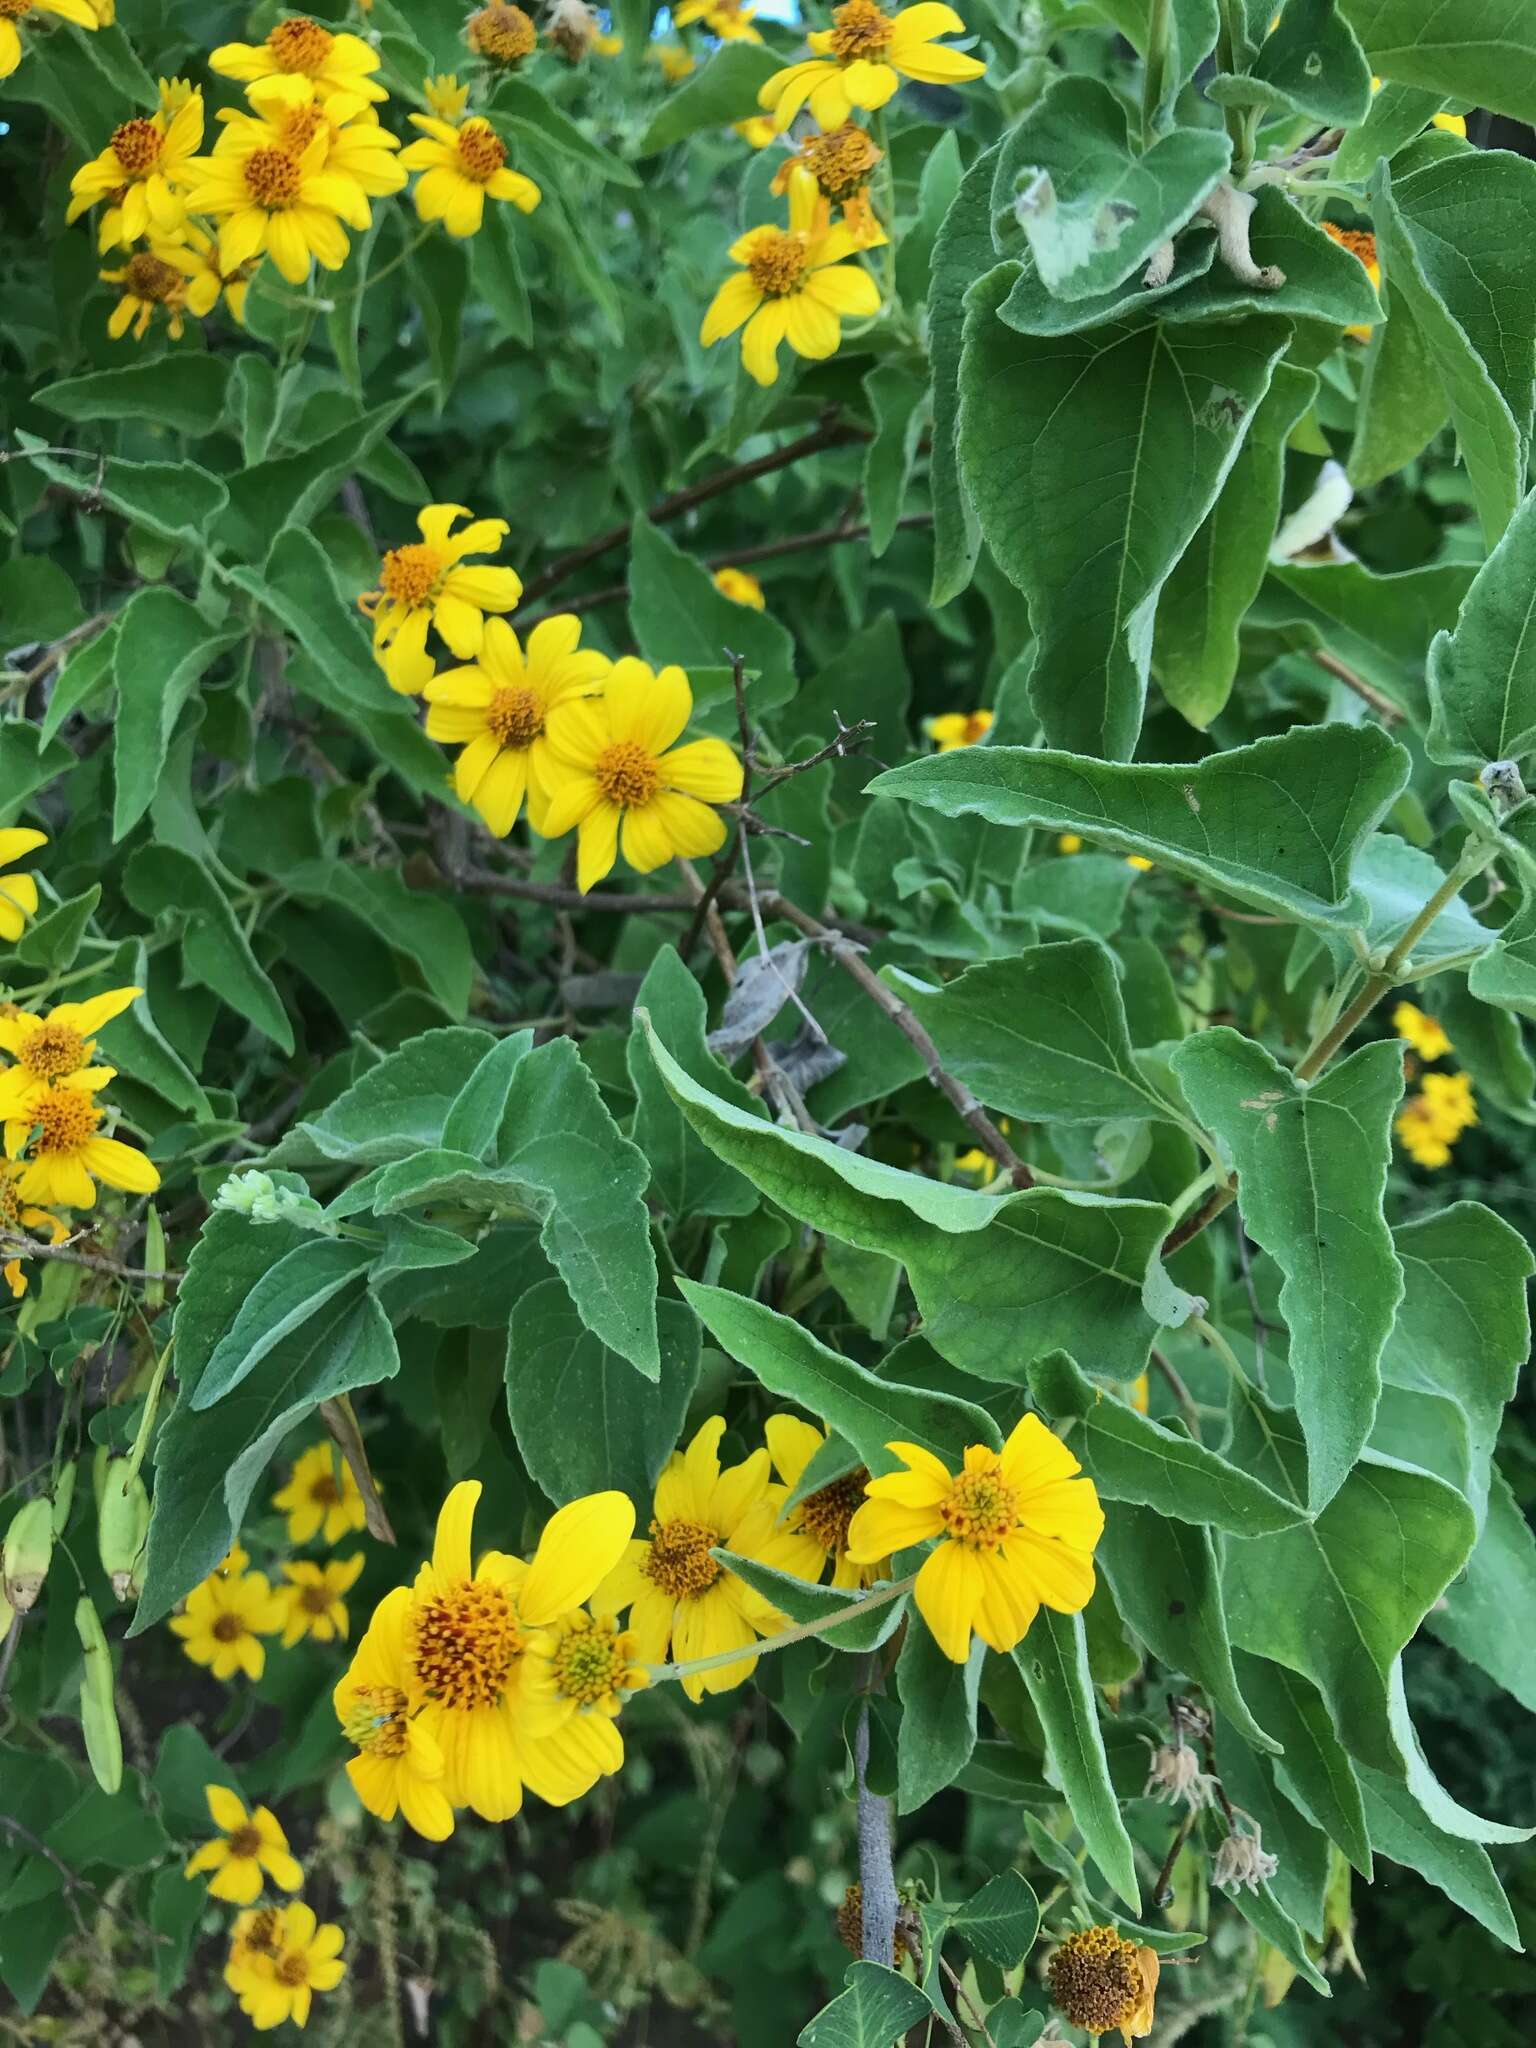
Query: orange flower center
315,1598
292,1968
245,1841
678,1560
227,1628
300,45
1358,241
860,29
589,1665
324,1491
481,154
410,575
136,145
375,1720
841,162
146,277
626,773
66,1119
1095,1979
260,1938
515,717
14,10
301,127
777,264
56,1049
503,35
980,1510
464,1644
824,1515
272,177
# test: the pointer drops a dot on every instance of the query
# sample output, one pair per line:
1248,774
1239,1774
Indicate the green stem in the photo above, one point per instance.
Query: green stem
1223,1351
659,1673
1227,47
887,207
147,1419
1155,74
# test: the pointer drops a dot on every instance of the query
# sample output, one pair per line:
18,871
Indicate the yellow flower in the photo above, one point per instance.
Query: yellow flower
80,12
953,729
249,1847
198,255
727,19
1017,1527
862,59
497,710
301,48
1361,244
468,1628
321,1498
1453,124
842,163
1069,842
1431,1121
794,286
822,1519
1140,862
461,167
445,97
613,760
675,62
54,1131
267,200
423,584
175,93
151,279
50,1047
224,1620
1425,1034
1138,1393
312,1599
575,1680
974,1160
502,35
276,1975
608,45
681,1595
145,160
740,587
290,112
18,893
400,1766
757,130
17,1217
1101,1980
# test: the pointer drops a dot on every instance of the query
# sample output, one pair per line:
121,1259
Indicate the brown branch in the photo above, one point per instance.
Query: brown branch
13,1244
1196,1221
832,433
1179,1391
1388,712
340,1420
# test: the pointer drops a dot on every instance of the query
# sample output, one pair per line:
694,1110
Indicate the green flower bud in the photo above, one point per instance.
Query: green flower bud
122,1525
28,1549
64,1496
98,1704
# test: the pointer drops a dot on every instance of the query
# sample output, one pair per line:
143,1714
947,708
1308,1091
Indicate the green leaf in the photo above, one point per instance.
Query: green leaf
999,1923
227,1261
1311,64
427,929
800,1601
518,108
895,398
1041,1036
1475,1617
287,1295
84,677
1092,208
879,2007
184,392
937,1731
962,250
1312,1165
1167,1584
161,650
1200,613
175,500
582,1419
1397,880
1132,1457
1127,432
1482,50
721,91
439,273
1276,824
1053,1661
254,402
1399,115
868,1411
164,881
1314,1771
1402,400
1401,1831
288,490
677,614
53,939
685,1174
1482,677
1473,299
498,273
399,1107
474,1122
1380,625
207,1466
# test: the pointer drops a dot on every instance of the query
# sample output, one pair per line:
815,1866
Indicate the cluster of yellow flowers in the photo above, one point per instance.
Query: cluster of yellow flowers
223,1620
1431,1120
87,14
583,742
279,1955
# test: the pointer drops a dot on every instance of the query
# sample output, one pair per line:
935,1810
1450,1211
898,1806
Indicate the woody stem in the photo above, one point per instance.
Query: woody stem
659,1673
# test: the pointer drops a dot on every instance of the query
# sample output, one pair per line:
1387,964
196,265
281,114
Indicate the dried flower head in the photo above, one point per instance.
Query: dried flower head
1243,1860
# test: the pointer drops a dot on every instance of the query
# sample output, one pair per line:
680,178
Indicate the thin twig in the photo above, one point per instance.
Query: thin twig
14,1244
1388,712
340,1420
1180,1393
1195,1222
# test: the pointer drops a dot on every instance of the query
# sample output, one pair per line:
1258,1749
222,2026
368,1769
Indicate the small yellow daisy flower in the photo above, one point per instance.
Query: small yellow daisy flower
727,19
820,1521
576,1677
842,163
290,112
18,892
1360,243
497,711
399,1768
613,761
301,48
445,97
794,285
80,12
1139,862
957,729
313,1598
55,1132
861,60
161,278
267,200
1069,842
17,1217
277,1983
146,161
249,1848
676,62
321,1498
1430,1122
60,1042
1017,1529
208,279
425,584
461,167
224,1620
1427,1035
607,45
501,35
740,587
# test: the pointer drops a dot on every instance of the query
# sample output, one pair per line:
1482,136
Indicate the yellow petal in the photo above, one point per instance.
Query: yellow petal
455,1521
883,1526
580,1546
948,1592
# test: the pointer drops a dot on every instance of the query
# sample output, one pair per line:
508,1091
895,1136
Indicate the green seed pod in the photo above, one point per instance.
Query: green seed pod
28,1549
64,1496
122,1524
154,1258
98,1705
7,1616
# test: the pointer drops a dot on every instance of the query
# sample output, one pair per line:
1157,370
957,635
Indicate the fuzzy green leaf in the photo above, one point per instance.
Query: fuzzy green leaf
1053,1661
1482,677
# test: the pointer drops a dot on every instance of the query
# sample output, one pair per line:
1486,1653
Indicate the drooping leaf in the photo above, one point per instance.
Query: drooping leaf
895,397
720,91
286,1296
1480,50
1053,1661
1499,1583
1310,65
426,929
1482,677
938,1717
1000,1922
183,392
1401,1831
162,881
160,652
962,249
1314,1770
686,1175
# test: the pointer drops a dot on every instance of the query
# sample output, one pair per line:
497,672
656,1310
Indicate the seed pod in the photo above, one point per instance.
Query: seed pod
7,1616
98,1704
122,1524
64,1496
28,1549
154,1259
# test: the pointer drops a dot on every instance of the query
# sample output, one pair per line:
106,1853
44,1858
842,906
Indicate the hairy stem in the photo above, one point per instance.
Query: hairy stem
802,1630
